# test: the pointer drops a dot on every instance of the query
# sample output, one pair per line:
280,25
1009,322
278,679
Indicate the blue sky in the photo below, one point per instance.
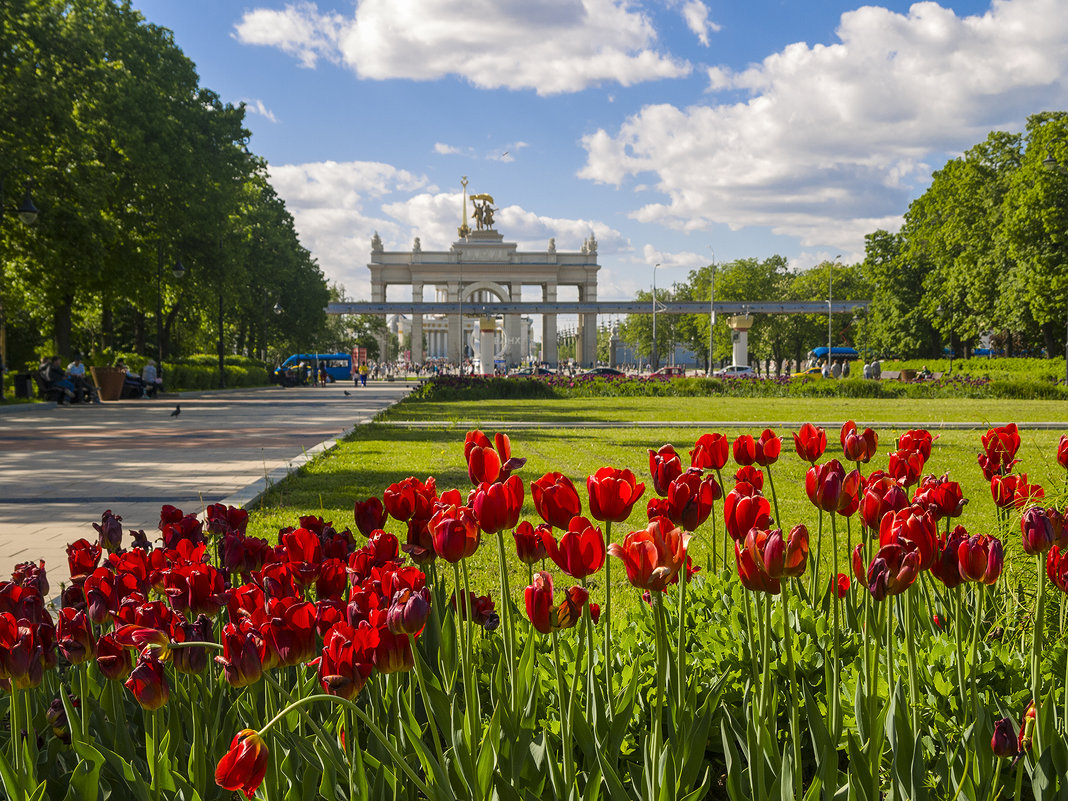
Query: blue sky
670,129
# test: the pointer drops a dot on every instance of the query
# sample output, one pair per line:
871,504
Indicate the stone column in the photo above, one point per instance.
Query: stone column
740,325
548,327
588,328
512,349
486,346
378,295
455,332
416,344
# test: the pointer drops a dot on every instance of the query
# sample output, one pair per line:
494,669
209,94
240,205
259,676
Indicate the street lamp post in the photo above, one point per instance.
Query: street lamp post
655,359
830,317
712,313
27,213
1050,163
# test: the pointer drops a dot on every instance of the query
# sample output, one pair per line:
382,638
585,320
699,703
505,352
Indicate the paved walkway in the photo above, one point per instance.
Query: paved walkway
61,467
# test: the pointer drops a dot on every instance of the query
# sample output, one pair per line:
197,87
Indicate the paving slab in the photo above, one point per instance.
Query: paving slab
62,466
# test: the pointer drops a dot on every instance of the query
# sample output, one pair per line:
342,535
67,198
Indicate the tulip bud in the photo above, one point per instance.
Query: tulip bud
244,765
110,530
1003,743
1037,531
408,612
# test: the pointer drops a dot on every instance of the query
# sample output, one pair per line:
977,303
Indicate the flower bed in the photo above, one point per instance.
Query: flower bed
334,664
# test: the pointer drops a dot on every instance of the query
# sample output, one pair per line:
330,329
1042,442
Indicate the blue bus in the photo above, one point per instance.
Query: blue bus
303,368
849,354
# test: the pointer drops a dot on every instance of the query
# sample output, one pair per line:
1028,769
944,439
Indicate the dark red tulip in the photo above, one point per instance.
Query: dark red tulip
657,507
906,467
744,450
26,649
408,611
1004,743
777,555
893,570
289,629
193,660
858,447
691,498
244,765
946,566
768,448
481,610
420,542
1001,443
654,555
74,636
810,442
664,466
497,506
222,518
710,452
393,654
529,546
543,615
333,580
750,475
824,485
370,515
113,660
918,440
347,659
555,499
1060,526
752,577
188,529
613,494
1037,531
915,525
196,589
169,514
110,530
581,550
944,498
82,559
148,683
980,558
1062,451
304,552
24,603
745,508
455,531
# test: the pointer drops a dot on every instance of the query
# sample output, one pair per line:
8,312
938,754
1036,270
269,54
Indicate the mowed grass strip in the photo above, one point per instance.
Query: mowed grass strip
375,456
741,410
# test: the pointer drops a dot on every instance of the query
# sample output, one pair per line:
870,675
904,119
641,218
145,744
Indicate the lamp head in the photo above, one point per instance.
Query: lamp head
27,211
178,269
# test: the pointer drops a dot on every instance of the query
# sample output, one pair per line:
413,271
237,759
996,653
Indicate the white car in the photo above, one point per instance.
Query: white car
735,371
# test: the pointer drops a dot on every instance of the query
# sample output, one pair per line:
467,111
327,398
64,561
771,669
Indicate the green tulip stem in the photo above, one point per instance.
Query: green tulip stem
890,680
661,682
751,640
712,517
1036,647
608,619
774,498
153,757
908,611
816,562
462,613
795,722
977,624
958,637
353,748
719,478
509,625
14,727
835,699
396,759
875,617
565,715
83,690
680,654
417,662
1018,793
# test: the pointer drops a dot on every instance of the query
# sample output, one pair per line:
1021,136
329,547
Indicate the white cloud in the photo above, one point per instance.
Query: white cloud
445,150
551,46
258,107
695,14
337,207
834,140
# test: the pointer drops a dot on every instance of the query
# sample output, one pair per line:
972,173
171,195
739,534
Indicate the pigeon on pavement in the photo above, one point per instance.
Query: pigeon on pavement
347,392
177,410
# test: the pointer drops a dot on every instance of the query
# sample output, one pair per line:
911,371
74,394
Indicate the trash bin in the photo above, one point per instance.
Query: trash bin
24,385
108,381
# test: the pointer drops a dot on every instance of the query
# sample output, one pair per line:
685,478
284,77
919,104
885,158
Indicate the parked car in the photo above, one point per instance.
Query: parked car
529,371
604,371
735,371
673,371
812,372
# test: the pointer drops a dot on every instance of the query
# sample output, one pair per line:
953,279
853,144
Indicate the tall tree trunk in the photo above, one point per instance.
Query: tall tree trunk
1049,340
168,326
107,321
139,331
61,325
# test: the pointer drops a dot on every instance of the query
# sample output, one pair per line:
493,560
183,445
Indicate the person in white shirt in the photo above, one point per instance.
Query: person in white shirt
150,377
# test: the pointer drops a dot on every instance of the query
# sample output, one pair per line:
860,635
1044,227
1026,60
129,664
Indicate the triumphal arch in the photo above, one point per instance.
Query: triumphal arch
478,267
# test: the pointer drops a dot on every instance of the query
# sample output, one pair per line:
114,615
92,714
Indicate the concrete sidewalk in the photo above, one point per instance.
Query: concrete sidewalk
62,466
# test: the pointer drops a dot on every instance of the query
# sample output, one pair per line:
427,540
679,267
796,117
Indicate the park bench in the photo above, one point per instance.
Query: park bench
46,392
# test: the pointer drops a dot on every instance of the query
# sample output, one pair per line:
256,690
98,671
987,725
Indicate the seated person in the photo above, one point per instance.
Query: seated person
82,384
150,379
132,385
53,377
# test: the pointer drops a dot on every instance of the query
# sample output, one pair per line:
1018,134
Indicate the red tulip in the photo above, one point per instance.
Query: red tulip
778,556
188,529
664,466
25,603
906,467
744,450
410,498
222,518
1004,743
825,486
347,659
478,609
455,532
486,462
980,558
497,506
1001,443
858,447
1057,567
810,442
244,765
529,546
914,525
690,499
946,566
82,559
1037,531
1027,728
750,475
393,654
768,448
289,629
196,589
420,542
942,497
918,440
169,514
75,636
148,683
370,515
26,649
1062,451
654,555
543,615
613,494
841,585
113,660
333,580
408,611
555,499
752,577
893,570
581,550
744,509
1013,490
710,452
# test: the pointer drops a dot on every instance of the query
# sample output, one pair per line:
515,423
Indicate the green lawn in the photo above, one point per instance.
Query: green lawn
377,455
741,410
